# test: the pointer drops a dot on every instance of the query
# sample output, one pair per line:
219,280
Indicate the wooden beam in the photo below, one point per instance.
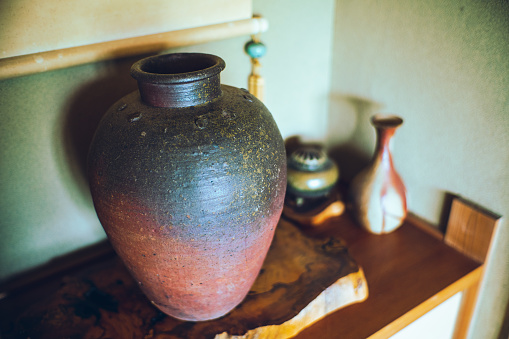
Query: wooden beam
63,58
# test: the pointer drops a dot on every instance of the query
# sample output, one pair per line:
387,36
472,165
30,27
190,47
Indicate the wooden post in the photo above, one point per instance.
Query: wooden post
470,230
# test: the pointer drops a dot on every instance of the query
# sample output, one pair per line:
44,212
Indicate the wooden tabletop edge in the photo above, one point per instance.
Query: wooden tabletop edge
459,285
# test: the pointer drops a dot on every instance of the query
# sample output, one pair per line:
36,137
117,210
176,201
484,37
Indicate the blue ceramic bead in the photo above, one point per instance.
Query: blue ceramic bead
255,49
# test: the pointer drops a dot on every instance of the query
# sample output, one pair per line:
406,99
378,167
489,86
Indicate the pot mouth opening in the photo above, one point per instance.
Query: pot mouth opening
177,68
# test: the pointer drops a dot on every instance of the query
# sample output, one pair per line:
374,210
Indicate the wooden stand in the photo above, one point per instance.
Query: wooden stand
302,280
315,213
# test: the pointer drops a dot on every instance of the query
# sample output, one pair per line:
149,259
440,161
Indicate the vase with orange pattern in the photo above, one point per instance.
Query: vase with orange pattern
378,194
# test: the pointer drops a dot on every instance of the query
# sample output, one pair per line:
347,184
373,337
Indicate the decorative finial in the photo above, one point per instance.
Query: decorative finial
255,49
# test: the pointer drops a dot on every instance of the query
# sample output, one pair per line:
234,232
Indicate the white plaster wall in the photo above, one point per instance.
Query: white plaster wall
443,66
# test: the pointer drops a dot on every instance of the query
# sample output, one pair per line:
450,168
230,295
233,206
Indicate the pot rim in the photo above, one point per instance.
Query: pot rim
176,68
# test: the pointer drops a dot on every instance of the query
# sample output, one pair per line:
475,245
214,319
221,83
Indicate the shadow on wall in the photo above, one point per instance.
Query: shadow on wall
350,136
446,210
504,331
85,110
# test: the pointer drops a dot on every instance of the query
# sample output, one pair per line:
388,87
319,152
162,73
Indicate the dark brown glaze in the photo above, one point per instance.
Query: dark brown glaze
178,80
189,194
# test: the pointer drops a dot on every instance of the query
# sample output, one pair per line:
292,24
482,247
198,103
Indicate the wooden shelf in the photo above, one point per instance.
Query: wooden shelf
408,272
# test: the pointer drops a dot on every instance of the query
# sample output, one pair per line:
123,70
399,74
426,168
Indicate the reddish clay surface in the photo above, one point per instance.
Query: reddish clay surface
191,280
190,194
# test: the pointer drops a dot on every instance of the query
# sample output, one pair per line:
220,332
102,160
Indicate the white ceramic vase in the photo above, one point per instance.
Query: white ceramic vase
378,193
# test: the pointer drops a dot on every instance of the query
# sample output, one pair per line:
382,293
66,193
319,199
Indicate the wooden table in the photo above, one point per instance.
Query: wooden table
409,272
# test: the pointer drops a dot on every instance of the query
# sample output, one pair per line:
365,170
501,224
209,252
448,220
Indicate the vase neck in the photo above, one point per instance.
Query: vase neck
383,146
385,128
178,80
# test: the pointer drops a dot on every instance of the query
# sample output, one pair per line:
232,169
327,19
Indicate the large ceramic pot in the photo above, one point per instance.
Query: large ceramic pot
188,180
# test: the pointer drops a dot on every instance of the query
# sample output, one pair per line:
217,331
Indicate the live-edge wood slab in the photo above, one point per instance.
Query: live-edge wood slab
302,280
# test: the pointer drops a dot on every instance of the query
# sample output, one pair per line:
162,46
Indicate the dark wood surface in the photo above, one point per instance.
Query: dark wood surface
403,269
101,300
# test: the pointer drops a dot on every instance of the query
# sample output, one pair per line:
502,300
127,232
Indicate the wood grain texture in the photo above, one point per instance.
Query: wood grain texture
302,280
470,230
408,271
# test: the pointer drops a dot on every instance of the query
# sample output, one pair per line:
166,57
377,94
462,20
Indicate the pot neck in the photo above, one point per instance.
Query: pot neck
178,80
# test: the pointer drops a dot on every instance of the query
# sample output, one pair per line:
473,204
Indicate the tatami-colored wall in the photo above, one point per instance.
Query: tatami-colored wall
441,65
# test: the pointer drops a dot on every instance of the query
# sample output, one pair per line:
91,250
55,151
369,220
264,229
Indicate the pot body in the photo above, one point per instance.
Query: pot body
378,192
190,196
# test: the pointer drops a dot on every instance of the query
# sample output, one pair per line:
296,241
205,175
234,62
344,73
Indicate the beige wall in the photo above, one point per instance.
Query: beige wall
444,67
441,65
28,26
